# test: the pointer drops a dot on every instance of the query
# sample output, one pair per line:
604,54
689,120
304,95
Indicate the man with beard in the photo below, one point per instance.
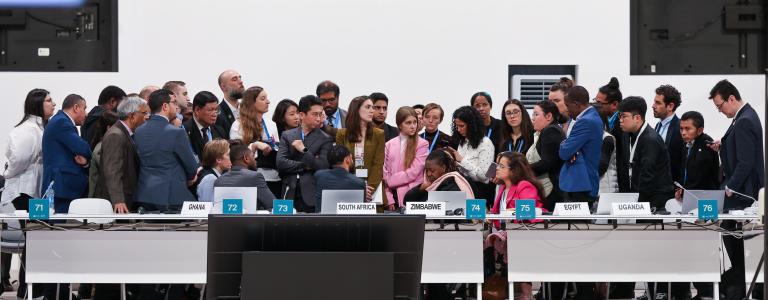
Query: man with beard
380,105
231,83
244,174
179,88
665,103
328,92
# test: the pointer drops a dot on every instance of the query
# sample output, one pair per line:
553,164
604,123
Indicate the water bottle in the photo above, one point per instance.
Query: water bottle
49,194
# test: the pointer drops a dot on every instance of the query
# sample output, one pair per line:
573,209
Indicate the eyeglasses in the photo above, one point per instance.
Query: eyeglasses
500,166
719,105
511,113
626,116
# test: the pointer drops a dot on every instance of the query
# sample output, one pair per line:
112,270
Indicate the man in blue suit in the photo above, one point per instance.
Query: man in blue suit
579,178
741,154
167,164
66,154
338,177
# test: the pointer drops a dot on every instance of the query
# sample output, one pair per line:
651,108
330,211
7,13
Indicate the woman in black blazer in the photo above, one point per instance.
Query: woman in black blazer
543,156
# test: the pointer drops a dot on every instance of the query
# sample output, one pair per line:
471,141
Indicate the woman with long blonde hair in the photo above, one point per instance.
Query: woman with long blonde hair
404,158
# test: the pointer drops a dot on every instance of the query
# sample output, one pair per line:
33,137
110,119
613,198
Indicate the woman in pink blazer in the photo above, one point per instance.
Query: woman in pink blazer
516,181
404,158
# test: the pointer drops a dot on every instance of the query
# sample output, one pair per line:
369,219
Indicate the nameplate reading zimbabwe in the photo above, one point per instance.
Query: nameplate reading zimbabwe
425,208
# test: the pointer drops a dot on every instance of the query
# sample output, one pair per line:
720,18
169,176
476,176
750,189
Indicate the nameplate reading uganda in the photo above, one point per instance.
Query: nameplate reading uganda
195,208
425,208
356,208
631,209
571,209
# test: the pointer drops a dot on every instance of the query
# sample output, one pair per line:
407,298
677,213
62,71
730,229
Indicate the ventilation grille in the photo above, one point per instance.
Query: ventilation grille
531,89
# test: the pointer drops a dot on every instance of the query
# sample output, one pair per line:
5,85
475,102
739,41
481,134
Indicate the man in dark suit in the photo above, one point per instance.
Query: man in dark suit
231,83
700,171
665,103
303,150
202,128
244,174
339,176
648,159
380,105
741,153
328,92
579,178
119,172
109,99
168,165
66,154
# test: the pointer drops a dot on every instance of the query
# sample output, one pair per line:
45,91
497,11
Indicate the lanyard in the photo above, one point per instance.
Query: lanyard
633,147
685,173
434,139
269,138
301,130
612,120
490,131
519,147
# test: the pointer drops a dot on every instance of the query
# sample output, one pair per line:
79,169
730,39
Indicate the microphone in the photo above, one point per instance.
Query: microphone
740,194
287,188
677,184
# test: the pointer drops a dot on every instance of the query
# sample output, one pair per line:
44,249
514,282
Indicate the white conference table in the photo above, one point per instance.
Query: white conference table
89,256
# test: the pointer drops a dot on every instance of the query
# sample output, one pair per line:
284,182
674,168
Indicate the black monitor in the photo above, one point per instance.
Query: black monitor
233,237
62,39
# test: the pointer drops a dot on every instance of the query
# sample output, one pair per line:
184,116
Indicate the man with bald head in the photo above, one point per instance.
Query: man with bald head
231,83
144,94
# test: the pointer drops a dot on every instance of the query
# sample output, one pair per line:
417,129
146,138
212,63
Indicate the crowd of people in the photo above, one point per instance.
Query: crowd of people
151,151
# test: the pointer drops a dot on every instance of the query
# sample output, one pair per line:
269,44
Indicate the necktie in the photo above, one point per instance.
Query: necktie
658,128
331,119
205,135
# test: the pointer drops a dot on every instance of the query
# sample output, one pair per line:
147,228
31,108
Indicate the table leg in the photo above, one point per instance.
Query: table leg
29,291
70,292
511,295
716,290
122,291
479,291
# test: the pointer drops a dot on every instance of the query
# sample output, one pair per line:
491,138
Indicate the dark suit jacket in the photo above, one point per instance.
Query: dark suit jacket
291,162
675,147
444,140
703,166
242,177
167,163
225,118
335,179
741,154
496,134
374,154
622,154
86,131
60,145
548,147
119,172
390,132
196,137
650,169
330,130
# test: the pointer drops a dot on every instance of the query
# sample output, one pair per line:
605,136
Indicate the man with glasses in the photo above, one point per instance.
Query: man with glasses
202,128
741,154
168,165
328,92
304,150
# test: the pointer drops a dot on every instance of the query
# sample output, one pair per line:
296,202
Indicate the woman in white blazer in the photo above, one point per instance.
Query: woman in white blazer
24,169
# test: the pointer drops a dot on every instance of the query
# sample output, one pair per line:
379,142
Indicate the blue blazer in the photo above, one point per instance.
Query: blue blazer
166,163
585,141
60,145
335,179
741,154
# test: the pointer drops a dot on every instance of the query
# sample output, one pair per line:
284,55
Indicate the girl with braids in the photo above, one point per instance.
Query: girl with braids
517,130
440,174
475,152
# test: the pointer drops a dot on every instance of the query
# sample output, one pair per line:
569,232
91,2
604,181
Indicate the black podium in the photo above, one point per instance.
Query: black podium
314,256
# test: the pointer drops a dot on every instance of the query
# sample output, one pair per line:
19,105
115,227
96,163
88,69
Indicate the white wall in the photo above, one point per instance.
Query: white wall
414,51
